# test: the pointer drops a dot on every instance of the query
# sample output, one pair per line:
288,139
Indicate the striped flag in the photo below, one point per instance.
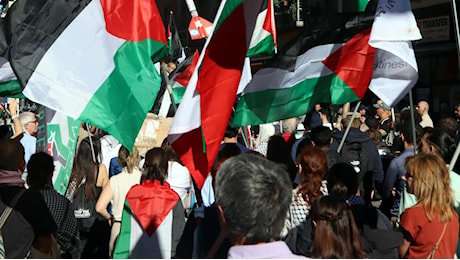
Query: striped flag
331,62
395,69
9,85
91,60
181,76
263,39
201,119
146,225
174,44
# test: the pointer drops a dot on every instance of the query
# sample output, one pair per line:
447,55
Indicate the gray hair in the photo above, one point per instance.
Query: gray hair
25,118
289,125
254,194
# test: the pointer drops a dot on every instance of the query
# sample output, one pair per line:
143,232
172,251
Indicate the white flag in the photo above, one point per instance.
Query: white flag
395,67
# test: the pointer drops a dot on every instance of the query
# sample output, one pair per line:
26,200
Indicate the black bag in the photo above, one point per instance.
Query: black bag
300,238
84,210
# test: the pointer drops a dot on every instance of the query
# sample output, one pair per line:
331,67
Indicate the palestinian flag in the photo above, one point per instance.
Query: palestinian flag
201,119
174,44
263,39
91,60
147,222
331,62
181,76
395,69
9,85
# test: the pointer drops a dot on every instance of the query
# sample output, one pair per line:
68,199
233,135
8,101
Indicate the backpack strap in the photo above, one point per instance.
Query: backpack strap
6,213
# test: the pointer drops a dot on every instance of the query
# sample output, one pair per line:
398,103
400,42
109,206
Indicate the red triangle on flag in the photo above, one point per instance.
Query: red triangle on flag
354,62
185,76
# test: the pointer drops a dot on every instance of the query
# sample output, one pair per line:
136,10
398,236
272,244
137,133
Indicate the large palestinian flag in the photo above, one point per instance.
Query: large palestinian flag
263,39
147,222
9,85
331,62
91,60
201,119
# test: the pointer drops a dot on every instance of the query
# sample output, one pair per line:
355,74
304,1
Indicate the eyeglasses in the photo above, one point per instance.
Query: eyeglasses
32,122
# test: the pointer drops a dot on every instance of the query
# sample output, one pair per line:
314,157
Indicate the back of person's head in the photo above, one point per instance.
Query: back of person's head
231,132
408,132
448,125
40,169
336,234
321,136
228,150
443,144
289,125
11,155
278,151
171,155
431,185
155,165
254,195
128,159
372,122
342,180
354,118
405,116
313,167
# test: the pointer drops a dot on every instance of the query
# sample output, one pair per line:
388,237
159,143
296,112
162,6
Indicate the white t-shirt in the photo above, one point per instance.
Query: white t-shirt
178,178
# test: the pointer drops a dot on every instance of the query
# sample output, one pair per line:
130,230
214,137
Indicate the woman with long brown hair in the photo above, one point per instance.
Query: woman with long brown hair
430,227
336,234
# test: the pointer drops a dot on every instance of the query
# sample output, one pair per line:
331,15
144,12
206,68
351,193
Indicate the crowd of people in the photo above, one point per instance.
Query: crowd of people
365,184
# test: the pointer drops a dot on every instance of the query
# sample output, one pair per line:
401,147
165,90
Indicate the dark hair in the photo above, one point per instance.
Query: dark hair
408,132
254,195
448,125
231,132
171,155
228,150
342,173
321,136
40,169
155,165
314,166
11,155
336,234
84,166
278,151
445,145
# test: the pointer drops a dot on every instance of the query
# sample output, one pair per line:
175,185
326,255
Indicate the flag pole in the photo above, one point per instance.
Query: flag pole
457,36
91,143
412,120
348,127
168,86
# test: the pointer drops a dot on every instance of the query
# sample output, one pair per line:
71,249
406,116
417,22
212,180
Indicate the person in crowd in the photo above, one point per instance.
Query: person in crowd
321,137
253,197
336,234
18,131
265,132
378,238
40,173
430,227
289,127
448,125
278,152
116,190
312,163
383,112
88,170
371,172
177,175
393,178
326,118
313,119
30,127
231,136
30,224
158,209
422,108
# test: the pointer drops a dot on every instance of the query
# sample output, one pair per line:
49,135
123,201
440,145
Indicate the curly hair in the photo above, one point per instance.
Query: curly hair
313,162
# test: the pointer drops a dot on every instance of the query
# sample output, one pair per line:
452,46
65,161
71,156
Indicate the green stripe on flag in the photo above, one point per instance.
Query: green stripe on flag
266,46
178,93
121,104
275,104
230,6
11,89
122,246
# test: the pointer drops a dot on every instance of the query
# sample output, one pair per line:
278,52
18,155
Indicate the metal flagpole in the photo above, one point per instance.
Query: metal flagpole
91,143
348,127
457,35
412,119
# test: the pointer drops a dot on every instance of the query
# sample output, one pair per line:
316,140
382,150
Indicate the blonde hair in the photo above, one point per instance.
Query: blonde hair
431,182
127,159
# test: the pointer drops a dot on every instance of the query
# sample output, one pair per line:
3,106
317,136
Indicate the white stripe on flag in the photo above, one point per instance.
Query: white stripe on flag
54,77
165,104
6,72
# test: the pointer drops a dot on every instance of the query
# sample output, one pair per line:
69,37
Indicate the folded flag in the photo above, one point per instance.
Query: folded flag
91,60
263,39
331,62
395,69
201,119
181,76
147,222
